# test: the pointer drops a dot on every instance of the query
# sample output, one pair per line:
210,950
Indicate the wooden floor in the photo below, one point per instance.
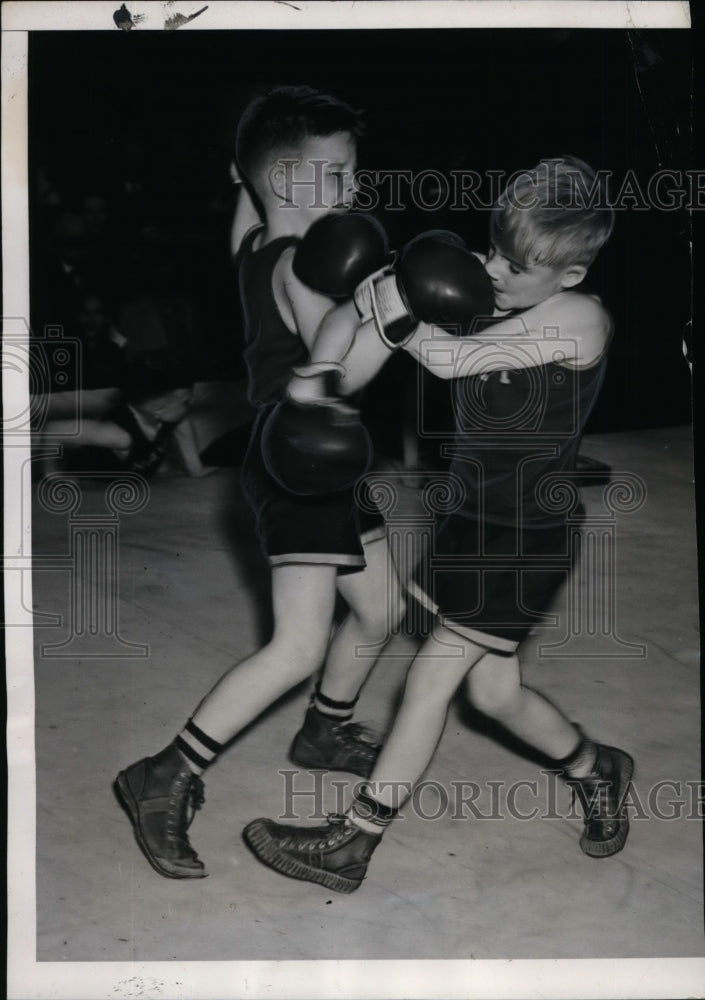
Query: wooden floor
501,879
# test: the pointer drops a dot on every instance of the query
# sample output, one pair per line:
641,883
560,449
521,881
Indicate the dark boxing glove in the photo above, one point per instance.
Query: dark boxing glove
315,449
338,251
435,280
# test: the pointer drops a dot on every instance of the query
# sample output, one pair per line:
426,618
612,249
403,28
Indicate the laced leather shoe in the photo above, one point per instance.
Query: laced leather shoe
161,795
602,795
335,855
324,743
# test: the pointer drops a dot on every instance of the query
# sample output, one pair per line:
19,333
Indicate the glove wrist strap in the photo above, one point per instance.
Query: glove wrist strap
314,368
393,318
323,383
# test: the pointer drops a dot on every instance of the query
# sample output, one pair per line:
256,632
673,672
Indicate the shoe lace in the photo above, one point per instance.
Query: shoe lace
337,831
352,731
187,795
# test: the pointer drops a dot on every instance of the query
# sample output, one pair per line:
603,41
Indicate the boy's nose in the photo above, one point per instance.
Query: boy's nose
492,269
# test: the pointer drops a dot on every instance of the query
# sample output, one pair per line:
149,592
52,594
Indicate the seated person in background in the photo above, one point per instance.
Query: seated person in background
102,345
133,433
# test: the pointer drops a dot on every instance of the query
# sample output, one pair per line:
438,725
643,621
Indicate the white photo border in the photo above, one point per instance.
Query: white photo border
27,978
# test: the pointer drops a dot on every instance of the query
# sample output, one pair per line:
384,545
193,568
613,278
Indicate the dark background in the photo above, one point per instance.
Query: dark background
163,106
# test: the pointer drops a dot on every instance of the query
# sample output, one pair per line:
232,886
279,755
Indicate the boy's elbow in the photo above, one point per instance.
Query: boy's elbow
600,321
591,311
443,371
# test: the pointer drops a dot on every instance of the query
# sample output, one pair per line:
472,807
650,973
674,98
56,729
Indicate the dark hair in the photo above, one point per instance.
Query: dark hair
154,373
556,214
281,120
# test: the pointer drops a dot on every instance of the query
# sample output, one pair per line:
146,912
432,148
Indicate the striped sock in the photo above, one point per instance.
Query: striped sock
581,762
369,814
197,747
341,711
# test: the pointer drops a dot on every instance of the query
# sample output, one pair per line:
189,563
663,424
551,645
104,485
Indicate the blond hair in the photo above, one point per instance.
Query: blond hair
556,214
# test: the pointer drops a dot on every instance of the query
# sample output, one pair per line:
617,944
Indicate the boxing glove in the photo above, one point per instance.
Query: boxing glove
338,251
315,450
435,280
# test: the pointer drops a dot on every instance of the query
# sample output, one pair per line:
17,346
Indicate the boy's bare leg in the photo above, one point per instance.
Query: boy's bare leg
337,855
161,793
434,676
494,687
303,600
328,738
375,609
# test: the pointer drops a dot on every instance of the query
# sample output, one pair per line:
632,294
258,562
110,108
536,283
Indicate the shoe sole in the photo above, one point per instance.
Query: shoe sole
265,849
124,795
607,848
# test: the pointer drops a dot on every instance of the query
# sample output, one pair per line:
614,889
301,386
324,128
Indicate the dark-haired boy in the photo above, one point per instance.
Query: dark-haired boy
296,152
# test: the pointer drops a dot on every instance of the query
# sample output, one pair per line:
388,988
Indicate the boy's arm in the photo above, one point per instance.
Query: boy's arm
366,356
343,344
569,327
96,433
342,338
304,312
314,286
246,216
332,335
301,309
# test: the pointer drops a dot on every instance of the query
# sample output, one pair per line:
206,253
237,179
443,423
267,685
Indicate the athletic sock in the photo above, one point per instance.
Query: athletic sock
369,814
581,762
329,708
197,747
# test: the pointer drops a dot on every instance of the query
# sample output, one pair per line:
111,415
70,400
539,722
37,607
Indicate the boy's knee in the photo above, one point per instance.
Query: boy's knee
398,610
494,684
379,619
299,657
428,680
390,614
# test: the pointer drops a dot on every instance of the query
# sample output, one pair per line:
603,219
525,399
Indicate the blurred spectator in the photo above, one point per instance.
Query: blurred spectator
134,433
102,345
162,322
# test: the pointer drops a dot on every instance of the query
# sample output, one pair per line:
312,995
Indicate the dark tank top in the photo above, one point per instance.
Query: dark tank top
271,349
515,428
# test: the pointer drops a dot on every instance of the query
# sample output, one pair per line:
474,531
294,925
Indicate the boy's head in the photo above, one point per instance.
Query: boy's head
546,229
298,146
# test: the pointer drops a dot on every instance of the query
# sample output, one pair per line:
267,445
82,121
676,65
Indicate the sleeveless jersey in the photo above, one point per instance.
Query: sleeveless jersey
515,428
271,349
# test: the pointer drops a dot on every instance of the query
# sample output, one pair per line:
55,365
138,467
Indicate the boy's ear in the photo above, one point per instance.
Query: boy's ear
279,181
573,275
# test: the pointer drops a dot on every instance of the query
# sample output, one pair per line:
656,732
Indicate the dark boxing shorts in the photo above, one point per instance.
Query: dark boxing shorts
292,529
491,583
